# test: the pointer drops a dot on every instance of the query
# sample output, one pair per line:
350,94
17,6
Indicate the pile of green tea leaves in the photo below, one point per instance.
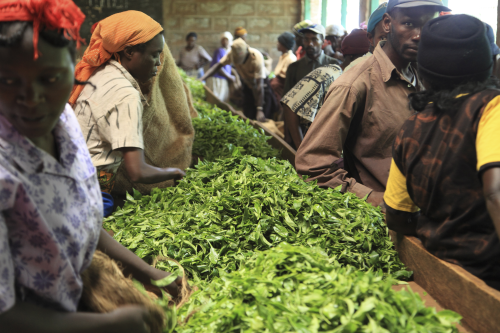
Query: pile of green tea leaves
300,289
195,86
216,130
224,211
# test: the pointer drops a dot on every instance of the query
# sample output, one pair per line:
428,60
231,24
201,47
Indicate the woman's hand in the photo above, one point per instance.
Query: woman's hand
131,319
261,117
173,289
174,173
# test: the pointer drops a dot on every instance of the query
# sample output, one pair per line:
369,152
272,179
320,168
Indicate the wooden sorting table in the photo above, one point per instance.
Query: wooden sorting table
440,284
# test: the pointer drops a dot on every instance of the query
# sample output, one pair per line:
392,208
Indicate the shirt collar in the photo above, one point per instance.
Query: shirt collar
31,159
386,66
320,59
129,77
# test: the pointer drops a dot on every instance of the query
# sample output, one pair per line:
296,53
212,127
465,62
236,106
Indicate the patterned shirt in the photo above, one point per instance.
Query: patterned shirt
307,96
51,217
439,157
110,115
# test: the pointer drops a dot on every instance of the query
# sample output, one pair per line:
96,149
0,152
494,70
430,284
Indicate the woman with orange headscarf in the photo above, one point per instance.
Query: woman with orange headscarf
50,201
123,54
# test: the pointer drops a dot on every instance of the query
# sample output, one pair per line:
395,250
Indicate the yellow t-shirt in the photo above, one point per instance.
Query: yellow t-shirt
487,151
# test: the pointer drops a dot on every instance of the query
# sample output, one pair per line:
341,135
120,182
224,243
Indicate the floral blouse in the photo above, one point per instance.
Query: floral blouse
51,217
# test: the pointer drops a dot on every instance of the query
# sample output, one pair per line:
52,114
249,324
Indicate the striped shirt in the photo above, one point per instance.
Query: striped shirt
110,115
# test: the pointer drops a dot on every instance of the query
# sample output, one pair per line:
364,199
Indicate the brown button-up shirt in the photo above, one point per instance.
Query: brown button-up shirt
380,92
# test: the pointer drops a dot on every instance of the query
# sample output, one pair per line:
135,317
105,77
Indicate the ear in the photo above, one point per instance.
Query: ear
128,52
387,23
370,37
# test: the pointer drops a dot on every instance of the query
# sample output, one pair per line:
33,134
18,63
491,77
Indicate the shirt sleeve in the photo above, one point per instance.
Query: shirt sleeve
121,125
7,293
7,276
396,194
204,54
226,60
488,137
321,149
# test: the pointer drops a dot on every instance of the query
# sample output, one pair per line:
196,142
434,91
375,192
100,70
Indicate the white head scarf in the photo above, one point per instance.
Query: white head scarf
229,37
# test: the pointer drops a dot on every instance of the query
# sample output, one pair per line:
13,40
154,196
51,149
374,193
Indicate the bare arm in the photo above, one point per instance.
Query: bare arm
214,69
141,172
133,265
402,222
28,318
293,126
491,191
227,75
259,99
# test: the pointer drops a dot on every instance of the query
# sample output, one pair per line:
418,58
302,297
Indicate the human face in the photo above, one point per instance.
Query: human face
281,48
312,42
377,36
144,65
404,28
191,42
224,42
33,93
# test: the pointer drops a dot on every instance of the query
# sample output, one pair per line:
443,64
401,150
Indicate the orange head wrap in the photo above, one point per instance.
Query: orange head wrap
111,36
240,31
47,14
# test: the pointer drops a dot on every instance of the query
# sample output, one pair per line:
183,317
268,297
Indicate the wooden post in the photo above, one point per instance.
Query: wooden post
343,11
307,9
364,10
324,14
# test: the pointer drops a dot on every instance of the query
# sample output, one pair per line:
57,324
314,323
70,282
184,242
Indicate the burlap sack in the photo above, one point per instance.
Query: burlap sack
168,131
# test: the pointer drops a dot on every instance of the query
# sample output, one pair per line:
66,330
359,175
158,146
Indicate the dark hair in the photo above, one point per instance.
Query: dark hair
53,37
191,34
445,98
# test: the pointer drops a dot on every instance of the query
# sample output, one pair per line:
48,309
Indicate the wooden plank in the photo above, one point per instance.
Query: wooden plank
364,11
452,286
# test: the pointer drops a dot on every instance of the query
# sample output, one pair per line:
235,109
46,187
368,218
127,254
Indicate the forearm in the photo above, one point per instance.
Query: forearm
27,318
403,223
259,93
131,263
214,69
141,172
491,192
293,126
227,75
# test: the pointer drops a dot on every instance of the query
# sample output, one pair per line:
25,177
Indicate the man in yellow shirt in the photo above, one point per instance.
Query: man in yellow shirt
444,182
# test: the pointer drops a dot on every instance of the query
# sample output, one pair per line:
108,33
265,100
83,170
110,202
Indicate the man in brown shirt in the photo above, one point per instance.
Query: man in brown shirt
365,108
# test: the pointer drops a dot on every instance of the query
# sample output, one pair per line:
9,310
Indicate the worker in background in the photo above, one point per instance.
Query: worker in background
375,33
302,103
219,82
240,32
312,39
286,42
259,100
367,106
193,57
110,108
300,52
335,34
444,183
51,210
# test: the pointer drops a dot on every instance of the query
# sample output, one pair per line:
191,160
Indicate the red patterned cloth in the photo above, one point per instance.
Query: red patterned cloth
49,14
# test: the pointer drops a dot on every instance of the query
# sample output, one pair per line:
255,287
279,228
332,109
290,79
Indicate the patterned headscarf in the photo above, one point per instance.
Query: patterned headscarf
50,14
111,36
